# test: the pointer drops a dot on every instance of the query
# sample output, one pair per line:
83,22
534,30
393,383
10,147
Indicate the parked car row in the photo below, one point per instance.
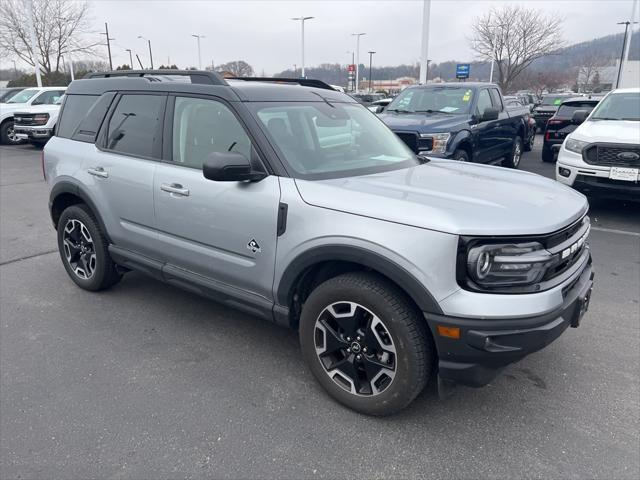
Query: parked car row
30,114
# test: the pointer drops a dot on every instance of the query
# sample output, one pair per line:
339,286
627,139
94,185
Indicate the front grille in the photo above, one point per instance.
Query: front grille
411,139
23,119
612,155
566,248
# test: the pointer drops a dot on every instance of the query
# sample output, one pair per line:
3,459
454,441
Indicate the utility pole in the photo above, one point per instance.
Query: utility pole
150,54
357,35
302,19
32,34
370,64
141,66
106,32
295,70
198,37
15,69
130,58
424,65
624,48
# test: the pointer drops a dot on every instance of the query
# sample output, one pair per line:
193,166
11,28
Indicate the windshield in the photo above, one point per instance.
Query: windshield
552,100
618,106
23,97
321,140
433,99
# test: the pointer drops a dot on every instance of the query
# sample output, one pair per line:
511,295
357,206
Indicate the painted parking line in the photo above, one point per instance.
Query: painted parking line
613,230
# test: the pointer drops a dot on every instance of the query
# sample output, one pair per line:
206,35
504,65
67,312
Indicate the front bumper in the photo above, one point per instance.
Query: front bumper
486,346
33,132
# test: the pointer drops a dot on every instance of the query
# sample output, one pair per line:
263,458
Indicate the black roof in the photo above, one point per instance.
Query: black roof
456,84
207,83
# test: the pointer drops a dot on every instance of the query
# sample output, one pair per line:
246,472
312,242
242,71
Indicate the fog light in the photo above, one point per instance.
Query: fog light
565,172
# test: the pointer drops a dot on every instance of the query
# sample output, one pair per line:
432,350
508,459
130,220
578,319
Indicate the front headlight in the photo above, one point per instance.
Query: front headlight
439,141
575,146
500,265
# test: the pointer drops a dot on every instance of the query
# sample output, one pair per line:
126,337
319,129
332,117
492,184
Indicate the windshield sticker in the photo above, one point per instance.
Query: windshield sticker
467,96
449,109
557,101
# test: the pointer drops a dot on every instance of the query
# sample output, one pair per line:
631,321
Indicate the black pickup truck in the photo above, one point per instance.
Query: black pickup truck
462,121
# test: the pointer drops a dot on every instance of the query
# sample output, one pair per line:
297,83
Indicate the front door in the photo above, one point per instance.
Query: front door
487,132
225,231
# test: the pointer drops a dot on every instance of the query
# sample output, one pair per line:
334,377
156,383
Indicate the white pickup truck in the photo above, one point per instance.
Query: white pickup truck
602,156
36,124
22,102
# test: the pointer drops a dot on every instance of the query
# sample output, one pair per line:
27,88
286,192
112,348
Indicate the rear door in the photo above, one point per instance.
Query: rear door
223,231
119,172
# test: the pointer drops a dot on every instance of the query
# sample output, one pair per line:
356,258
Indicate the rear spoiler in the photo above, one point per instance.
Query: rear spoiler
305,82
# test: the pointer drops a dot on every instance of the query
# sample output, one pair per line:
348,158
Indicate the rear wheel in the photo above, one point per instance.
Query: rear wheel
513,160
365,343
528,146
84,250
547,155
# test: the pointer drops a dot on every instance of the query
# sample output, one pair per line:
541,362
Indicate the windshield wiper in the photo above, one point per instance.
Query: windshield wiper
398,110
422,159
606,118
431,111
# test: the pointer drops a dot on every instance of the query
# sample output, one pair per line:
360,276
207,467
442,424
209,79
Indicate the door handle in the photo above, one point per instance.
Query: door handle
98,172
175,188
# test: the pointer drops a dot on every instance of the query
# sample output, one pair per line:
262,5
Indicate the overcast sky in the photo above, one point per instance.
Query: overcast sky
261,32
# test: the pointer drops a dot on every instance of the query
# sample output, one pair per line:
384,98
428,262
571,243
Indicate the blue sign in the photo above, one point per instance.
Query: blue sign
462,70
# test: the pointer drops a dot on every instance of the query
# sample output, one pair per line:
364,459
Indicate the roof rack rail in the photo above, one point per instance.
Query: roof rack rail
196,76
305,82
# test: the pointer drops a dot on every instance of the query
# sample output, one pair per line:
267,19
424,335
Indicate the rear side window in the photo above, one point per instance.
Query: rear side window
134,127
75,109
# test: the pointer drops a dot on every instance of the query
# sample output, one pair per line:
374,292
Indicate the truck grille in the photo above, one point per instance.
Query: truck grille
23,119
411,139
612,155
566,246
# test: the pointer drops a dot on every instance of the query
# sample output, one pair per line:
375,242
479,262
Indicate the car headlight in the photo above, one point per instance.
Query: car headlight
575,146
439,141
500,265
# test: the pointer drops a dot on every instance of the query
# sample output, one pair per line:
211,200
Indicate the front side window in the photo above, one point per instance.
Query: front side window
497,101
484,102
320,140
202,127
24,96
430,99
618,106
135,125
49,97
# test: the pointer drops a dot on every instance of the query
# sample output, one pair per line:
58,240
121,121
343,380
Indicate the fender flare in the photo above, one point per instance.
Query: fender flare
397,274
462,136
72,187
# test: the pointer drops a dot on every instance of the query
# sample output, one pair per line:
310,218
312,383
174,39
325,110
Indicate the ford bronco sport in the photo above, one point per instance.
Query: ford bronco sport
297,204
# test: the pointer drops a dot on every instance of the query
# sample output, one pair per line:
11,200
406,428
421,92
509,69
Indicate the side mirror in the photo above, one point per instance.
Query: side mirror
490,113
380,109
579,116
230,167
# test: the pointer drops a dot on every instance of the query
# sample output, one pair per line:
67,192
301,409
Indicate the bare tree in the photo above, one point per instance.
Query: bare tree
589,69
514,37
60,29
239,68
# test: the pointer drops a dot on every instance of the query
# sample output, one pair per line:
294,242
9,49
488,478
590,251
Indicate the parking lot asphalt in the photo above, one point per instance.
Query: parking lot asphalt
147,381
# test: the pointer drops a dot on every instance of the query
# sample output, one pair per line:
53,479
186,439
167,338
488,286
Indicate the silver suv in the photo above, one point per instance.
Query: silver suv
297,204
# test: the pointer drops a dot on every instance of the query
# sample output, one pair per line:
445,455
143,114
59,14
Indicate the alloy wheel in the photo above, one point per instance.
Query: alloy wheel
355,348
517,153
11,135
79,249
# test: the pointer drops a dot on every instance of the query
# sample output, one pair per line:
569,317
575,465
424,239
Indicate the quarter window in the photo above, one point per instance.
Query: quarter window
134,127
75,109
202,127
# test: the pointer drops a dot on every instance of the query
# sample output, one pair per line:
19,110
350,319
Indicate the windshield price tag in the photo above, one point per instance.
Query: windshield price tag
627,174
467,96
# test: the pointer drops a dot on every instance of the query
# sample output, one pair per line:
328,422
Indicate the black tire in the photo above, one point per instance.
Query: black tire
547,155
408,335
461,155
104,273
528,146
513,160
6,134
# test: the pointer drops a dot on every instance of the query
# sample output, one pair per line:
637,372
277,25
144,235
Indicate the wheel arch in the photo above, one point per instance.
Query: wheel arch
318,264
67,193
463,141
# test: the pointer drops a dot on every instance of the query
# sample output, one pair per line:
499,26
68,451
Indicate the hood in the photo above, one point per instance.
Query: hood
609,131
453,197
12,107
423,122
37,109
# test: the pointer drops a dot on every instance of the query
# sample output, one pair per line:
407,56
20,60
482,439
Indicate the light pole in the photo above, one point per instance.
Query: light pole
295,70
199,57
424,66
370,63
624,47
130,58
357,35
302,19
150,54
106,34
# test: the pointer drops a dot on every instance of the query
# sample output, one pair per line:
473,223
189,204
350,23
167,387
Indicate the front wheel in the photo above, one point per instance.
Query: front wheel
366,343
460,155
528,146
8,135
547,155
513,160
